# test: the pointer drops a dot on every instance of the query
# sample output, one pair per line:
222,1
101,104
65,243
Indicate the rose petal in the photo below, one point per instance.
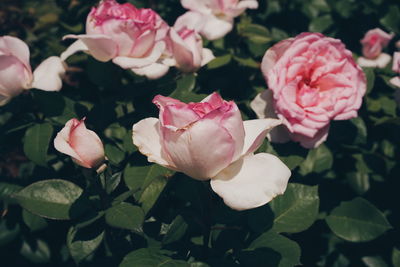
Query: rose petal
138,63
201,151
252,181
255,132
196,5
146,136
152,71
380,62
47,76
312,142
75,47
61,142
14,77
191,20
207,56
395,81
10,45
101,47
215,28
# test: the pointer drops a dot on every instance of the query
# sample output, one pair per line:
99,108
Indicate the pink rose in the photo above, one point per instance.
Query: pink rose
374,41
16,73
132,38
313,80
187,47
396,68
216,15
209,140
83,145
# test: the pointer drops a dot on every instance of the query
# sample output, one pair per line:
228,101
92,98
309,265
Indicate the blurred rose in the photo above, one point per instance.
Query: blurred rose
83,145
216,15
187,47
209,140
132,38
373,43
313,80
16,74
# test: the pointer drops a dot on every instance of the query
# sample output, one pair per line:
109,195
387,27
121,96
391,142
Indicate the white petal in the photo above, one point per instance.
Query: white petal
47,76
207,56
380,62
191,20
215,28
196,5
75,47
395,81
255,132
262,105
146,136
153,71
251,181
130,62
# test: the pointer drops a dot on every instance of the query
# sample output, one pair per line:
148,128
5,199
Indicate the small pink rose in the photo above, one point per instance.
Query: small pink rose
187,47
216,15
209,140
16,73
83,145
374,41
396,68
133,38
313,80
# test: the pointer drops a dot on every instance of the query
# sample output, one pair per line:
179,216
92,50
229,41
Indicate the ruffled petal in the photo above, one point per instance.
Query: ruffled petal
251,181
146,136
48,75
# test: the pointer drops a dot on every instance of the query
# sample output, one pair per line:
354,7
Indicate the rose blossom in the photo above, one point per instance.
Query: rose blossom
131,37
216,15
209,140
83,145
16,73
187,47
313,79
373,43
396,68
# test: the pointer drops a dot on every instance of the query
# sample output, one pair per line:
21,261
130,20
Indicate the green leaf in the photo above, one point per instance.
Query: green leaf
84,242
114,154
150,195
392,19
176,231
8,232
296,210
36,142
125,216
396,257
370,74
145,257
34,222
187,82
6,191
289,250
219,62
318,160
320,24
53,199
37,252
112,182
357,221
370,261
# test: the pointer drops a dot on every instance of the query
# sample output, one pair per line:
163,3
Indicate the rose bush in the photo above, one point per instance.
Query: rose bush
313,80
177,141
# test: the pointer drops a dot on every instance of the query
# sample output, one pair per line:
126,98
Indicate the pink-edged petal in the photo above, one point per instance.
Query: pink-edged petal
312,142
10,45
215,28
201,151
182,53
255,133
207,56
75,47
61,142
137,63
87,145
101,47
153,71
251,181
146,136
48,75
380,62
